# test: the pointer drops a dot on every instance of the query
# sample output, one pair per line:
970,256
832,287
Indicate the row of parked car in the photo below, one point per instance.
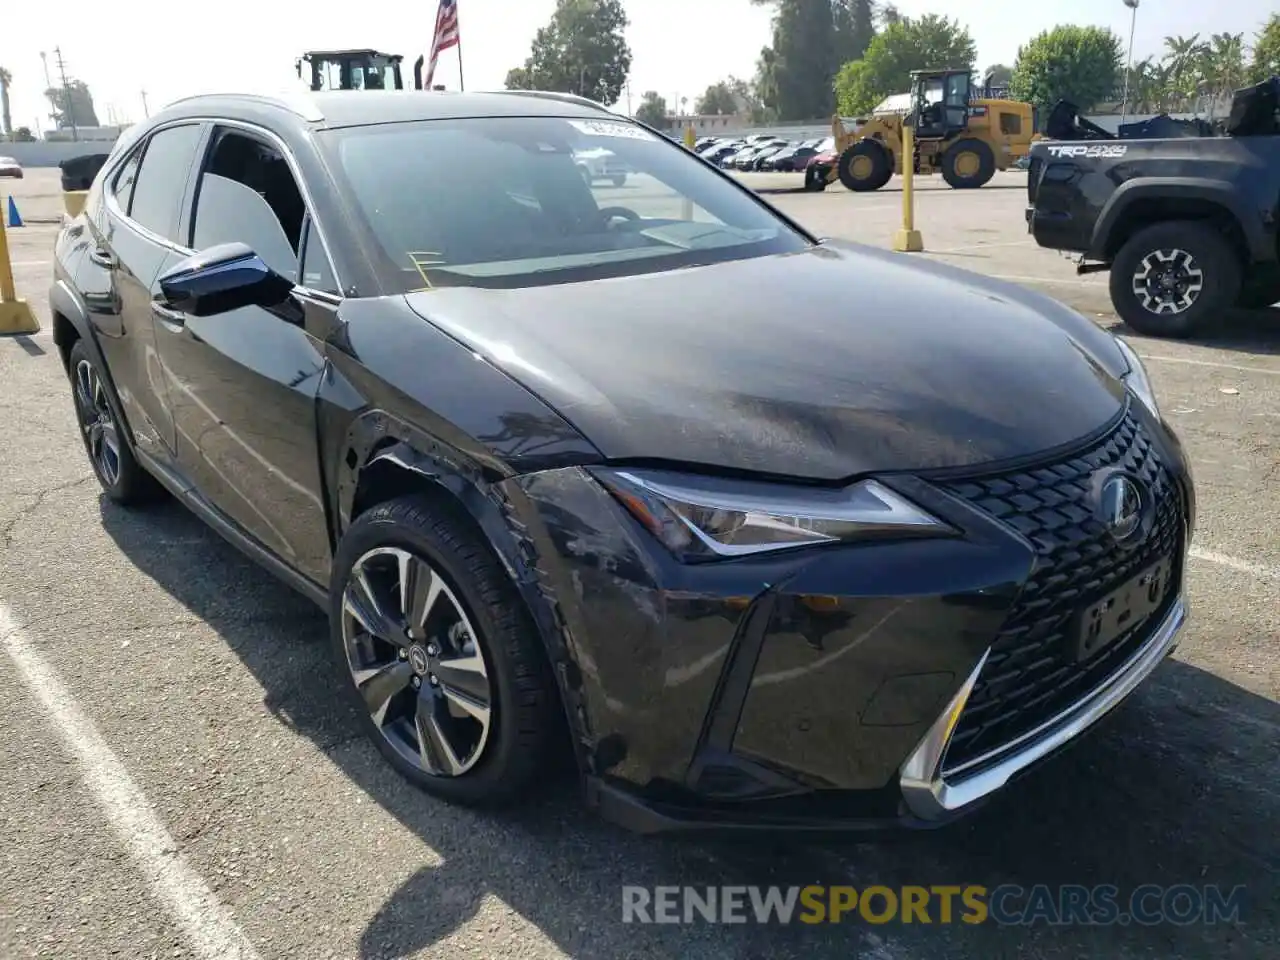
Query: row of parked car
765,152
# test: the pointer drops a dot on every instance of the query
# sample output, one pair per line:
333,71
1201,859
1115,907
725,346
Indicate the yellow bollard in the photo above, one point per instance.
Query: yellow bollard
690,138
908,239
15,314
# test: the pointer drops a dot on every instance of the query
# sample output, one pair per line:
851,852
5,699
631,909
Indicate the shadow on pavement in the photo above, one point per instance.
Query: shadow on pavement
1250,331
1179,786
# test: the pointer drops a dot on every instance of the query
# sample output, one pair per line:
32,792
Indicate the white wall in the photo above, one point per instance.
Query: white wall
43,153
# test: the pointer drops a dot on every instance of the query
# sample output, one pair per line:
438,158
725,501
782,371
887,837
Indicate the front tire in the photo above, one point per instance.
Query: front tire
440,657
864,166
619,179
1173,279
105,437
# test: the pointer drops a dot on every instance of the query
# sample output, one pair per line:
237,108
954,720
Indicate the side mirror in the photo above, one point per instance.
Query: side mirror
224,278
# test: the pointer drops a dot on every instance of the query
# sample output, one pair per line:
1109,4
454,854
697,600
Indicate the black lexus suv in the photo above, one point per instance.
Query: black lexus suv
571,475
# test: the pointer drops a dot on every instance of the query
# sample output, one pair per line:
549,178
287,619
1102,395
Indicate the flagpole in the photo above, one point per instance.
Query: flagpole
461,86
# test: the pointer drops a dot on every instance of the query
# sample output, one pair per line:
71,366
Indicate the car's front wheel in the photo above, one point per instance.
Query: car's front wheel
1172,279
122,478
440,656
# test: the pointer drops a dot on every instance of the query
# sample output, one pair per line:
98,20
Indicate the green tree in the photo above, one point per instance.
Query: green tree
1184,62
855,28
1079,64
804,58
718,99
889,15
24,135
1223,66
653,110
929,42
81,112
1266,51
582,50
765,85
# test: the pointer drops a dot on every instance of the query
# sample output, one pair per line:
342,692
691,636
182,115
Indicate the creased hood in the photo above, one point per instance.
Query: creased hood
836,361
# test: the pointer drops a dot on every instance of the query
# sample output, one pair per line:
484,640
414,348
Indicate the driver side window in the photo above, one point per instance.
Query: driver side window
247,193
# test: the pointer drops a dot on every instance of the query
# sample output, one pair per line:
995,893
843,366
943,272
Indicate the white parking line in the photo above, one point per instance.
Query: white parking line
984,246
207,923
1046,280
30,263
1209,363
1233,563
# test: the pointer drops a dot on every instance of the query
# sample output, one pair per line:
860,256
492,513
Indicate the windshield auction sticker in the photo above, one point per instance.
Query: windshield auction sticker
611,128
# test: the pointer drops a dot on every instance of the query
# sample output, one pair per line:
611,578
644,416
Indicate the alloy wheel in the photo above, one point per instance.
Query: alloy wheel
416,661
97,423
1167,281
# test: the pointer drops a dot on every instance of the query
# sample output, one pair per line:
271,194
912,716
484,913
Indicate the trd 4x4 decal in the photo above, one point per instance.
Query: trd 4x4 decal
1080,150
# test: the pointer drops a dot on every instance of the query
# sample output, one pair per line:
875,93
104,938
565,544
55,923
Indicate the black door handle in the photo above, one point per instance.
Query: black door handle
102,258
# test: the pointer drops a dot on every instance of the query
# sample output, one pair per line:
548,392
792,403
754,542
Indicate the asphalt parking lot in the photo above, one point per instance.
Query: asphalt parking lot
175,779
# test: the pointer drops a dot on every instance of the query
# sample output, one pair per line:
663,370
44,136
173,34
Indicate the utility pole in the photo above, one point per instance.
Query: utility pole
146,112
1128,69
66,93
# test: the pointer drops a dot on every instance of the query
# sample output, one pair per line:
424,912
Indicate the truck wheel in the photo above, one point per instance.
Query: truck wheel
814,180
619,180
864,166
1170,279
968,164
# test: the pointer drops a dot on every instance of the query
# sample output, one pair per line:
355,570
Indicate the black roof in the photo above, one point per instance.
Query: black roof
349,108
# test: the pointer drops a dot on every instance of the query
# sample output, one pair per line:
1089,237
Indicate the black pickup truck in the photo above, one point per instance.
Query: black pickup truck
1188,227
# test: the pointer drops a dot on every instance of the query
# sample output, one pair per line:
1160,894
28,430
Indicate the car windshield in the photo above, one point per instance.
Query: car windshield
522,201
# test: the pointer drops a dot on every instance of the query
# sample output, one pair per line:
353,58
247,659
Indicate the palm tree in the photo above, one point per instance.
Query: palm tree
1224,63
6,117
1145,86
1184,56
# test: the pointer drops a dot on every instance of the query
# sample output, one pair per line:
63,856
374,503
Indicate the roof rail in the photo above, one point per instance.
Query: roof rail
296,103
562,97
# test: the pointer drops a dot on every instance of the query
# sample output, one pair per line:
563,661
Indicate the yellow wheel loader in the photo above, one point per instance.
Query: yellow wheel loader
964,137
355,70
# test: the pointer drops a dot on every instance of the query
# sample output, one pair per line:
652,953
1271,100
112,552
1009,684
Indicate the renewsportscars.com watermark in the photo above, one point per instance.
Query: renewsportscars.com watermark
1007,905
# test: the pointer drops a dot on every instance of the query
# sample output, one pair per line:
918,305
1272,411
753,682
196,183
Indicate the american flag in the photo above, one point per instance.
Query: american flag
446,36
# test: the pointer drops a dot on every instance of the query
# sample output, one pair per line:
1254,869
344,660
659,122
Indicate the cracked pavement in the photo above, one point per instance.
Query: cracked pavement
212,685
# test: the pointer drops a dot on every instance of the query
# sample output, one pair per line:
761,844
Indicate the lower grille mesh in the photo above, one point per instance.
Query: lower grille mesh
1029,677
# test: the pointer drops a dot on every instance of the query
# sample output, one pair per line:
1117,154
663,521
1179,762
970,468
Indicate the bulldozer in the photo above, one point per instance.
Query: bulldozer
355,70
960,132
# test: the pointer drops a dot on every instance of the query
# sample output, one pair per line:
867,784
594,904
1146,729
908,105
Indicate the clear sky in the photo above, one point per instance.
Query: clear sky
173,49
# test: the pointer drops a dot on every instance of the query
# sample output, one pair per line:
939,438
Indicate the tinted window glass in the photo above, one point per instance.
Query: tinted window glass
125,178
534,200
316,272
166,167
228,211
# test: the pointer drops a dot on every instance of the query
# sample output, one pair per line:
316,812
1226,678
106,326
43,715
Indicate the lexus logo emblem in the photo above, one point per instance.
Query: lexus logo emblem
1121,504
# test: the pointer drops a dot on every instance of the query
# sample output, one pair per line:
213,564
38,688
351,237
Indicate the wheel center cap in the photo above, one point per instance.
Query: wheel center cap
418,659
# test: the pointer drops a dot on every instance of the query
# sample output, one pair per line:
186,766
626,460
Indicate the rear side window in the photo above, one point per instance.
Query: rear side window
1010,124
123,188
162,179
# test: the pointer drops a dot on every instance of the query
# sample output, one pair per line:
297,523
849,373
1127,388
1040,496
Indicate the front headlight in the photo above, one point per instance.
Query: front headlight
705,518
1137,380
